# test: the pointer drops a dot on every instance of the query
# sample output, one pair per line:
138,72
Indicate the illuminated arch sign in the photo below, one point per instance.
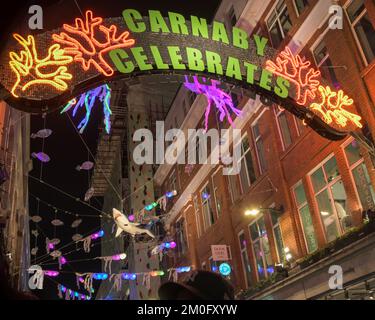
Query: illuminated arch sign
44,72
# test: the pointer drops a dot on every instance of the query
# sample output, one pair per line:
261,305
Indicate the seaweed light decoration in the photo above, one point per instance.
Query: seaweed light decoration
87,99
89,41
31,70
214,95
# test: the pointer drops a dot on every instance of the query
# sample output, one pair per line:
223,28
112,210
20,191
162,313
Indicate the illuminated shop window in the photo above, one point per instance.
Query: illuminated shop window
279,23
331,199
305,217
261,247
283,126
363,28
301,5
324,63
360,174
259,148
245,259
247,172
208,212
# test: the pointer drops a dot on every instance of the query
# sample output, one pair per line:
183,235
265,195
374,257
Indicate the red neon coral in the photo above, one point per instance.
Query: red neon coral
331,107
296,71
88,42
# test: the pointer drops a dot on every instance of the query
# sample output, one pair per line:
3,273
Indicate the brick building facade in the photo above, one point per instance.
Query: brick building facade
309,192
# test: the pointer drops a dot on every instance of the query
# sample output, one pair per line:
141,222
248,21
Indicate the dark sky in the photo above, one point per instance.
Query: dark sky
64,146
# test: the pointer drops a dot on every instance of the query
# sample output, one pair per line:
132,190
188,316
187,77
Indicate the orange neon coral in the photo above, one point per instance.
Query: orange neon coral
88,42
331,107
296,71
30,70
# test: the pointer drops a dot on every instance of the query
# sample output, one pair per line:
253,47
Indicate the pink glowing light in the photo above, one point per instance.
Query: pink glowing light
222,100
51,273
131,217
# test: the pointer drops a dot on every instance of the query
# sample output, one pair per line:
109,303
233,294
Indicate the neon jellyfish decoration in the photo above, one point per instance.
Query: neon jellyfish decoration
87,99
214,94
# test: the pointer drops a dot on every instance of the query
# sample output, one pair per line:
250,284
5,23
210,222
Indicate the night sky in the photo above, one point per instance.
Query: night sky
65,147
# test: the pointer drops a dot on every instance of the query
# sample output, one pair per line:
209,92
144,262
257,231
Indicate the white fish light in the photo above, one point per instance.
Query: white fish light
36,219
57,223
76,223
124,225
44,133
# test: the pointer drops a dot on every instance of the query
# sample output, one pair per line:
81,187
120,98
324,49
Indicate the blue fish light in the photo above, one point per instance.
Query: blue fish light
225,269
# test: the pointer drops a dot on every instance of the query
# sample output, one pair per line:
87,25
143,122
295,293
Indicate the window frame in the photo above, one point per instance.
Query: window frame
243,158
256,139
242,251
205,227
352,25
197,216
255,221
296,8
352,167
278,111
299,207
278,15
327,187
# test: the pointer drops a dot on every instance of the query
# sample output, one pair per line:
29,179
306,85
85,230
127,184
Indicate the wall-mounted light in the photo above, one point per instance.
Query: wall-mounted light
256,211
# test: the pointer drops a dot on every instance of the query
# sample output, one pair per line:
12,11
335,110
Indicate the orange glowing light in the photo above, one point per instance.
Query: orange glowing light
331,107
83,43
298,72
30,70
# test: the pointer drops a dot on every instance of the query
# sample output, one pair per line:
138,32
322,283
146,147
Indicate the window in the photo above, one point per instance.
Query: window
284,130
247,173
331,199
208,213
234,187
301,5
197,216
300,126
324,63
279,23
259,148
245,259
360,174
181,236
231,17
217,196
173,181
278,237
362,27
305,217
191,98
261,247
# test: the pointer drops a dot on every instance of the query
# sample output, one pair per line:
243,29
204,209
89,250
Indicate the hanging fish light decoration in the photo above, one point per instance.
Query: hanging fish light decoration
34,251
89,193
41,156
55,241
44,133
87,165
57,223
36,219
76,237
76,223
55,254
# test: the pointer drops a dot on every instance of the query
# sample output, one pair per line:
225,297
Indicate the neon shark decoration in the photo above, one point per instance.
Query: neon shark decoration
87,99
214,94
